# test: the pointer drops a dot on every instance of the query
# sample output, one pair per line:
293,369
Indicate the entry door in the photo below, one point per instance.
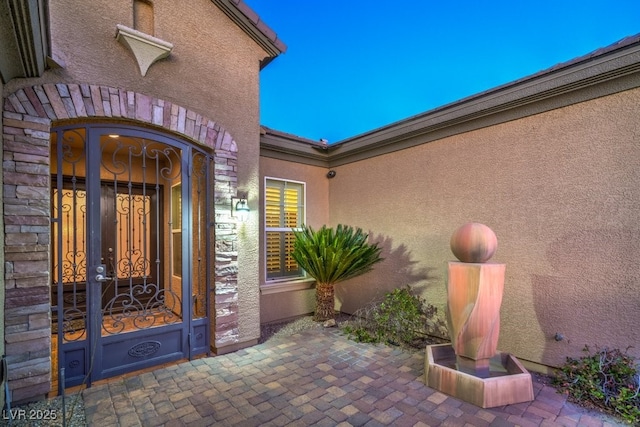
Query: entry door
131,234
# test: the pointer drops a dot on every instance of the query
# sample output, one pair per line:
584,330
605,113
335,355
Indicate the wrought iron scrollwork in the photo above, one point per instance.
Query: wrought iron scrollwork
141,294
141,306
118,156
69,228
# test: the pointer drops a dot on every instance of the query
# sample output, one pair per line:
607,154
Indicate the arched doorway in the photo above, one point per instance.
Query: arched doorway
28,117
131,250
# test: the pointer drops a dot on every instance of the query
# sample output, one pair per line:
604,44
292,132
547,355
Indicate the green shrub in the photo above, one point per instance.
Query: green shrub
608,379
401,318
331,256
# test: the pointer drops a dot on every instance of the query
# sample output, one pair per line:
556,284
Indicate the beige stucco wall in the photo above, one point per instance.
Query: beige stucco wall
562,192
291,303
213,70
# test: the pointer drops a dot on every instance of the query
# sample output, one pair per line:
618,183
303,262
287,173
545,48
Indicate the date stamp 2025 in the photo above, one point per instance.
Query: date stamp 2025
30,414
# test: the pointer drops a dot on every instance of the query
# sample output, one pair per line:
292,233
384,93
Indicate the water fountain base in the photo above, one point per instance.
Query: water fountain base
508,382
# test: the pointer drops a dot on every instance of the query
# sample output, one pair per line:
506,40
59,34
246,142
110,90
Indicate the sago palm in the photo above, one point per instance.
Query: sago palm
331,256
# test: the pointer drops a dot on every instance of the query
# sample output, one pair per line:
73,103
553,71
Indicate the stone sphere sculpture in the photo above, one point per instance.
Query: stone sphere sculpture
481,374
474,242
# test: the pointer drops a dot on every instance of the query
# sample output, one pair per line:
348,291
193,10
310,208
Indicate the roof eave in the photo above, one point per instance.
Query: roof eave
24,38
603,72
249,21
284,146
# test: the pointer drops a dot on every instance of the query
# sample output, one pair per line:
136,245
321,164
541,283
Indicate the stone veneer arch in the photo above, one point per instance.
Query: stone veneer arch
28,115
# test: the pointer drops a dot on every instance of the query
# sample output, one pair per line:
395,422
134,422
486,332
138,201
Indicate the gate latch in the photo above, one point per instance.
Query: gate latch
100,277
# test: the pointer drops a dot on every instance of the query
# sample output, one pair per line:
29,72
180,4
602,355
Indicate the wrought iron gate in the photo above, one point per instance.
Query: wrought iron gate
132,245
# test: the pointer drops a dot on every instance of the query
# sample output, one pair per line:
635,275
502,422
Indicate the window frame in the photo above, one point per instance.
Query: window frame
302,220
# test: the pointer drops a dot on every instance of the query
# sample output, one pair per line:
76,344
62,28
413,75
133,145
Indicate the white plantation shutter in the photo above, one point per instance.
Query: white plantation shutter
284,210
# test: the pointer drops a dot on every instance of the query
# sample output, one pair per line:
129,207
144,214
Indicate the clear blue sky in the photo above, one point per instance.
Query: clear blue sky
355,65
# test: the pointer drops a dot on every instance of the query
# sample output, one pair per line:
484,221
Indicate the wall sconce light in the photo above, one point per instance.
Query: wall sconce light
240,207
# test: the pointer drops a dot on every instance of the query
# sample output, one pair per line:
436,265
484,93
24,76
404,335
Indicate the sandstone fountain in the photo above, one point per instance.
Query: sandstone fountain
471,368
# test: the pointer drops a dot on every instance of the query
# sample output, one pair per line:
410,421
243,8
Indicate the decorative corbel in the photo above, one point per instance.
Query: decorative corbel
145,48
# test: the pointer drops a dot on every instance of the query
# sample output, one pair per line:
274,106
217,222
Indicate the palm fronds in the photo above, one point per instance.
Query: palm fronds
331,256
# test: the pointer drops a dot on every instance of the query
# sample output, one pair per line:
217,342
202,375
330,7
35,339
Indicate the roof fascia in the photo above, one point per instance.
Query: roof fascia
594,77
24,39
254,27
283,146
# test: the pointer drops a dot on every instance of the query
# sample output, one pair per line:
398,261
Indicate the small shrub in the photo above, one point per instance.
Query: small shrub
608,379
401,318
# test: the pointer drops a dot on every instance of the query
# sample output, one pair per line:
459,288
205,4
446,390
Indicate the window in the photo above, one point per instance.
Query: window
284,210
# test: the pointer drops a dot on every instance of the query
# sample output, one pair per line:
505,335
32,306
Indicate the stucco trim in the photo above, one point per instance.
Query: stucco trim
605,72
284,146
26,45
286,286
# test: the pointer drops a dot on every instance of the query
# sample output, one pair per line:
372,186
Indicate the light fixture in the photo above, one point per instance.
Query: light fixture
240,207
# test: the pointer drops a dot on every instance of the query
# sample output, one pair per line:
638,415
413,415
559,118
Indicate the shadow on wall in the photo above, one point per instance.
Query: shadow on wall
593,298
396,271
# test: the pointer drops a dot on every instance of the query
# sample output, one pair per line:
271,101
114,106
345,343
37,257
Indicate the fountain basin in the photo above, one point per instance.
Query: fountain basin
508,382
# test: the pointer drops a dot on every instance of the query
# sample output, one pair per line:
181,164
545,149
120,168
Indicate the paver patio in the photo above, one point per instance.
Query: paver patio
317,377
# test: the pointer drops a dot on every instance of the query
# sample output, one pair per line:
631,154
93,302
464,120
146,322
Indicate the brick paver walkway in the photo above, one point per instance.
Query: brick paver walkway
314,378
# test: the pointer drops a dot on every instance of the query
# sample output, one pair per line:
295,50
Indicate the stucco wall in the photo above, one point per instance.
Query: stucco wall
562,192
300,300
213,69
211,78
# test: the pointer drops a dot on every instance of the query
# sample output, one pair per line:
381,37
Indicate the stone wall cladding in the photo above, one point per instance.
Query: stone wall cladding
27,117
